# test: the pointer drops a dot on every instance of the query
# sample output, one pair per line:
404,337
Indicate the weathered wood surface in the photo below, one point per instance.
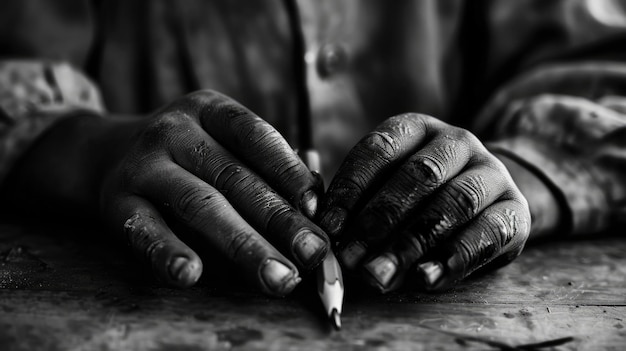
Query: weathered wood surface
66,289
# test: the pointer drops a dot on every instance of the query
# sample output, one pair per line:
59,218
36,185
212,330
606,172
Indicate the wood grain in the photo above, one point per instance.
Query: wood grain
68,289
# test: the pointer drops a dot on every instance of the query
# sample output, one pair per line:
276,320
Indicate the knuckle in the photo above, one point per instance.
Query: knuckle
477,251
210,104
415,118
170,120
467,196
506,226
275,215
193,203
289,169
346,187
241,243
142,235
380,144
165,127
428,171
201,153
462,138
465,135
255,133
233,178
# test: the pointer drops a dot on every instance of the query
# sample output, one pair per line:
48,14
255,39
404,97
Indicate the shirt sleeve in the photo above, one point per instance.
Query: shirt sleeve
33,96
567,123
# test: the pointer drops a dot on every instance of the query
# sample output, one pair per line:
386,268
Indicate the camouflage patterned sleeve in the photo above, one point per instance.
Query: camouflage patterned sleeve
33,96
567,123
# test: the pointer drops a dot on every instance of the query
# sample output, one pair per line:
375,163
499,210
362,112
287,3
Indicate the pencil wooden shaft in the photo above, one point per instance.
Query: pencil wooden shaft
329,277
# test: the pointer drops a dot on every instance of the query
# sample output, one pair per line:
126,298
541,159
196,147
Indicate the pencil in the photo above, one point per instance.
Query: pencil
329,278
330,288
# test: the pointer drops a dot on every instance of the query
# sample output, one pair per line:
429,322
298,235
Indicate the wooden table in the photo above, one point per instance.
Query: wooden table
66,289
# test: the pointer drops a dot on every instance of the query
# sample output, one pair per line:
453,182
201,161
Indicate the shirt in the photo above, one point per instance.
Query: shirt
540,81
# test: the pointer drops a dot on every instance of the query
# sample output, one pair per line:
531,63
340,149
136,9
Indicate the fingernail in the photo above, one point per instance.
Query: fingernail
279,278
308,247
184,272
308,203
382,269
333,220
430,272
352,254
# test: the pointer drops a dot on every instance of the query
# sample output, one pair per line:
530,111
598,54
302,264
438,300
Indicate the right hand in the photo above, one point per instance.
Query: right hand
230,179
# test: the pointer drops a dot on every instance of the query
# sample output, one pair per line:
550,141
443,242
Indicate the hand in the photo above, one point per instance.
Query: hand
419,195
211,167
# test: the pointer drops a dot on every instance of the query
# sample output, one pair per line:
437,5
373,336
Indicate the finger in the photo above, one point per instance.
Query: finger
370,161
251,196
499,231
498,234
213,220
153,242
454,205
424,172
258,144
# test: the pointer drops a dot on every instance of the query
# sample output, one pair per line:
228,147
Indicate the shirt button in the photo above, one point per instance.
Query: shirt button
331,59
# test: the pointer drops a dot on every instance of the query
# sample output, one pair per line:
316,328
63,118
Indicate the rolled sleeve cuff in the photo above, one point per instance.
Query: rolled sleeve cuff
573,181
35,95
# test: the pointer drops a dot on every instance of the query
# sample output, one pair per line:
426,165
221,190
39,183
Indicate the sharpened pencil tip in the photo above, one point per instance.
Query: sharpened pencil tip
335,318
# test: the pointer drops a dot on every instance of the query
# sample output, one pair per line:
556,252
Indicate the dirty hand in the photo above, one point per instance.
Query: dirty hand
230,180
417,195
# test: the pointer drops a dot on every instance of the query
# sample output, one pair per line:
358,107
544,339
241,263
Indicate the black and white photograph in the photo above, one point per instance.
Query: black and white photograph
383,175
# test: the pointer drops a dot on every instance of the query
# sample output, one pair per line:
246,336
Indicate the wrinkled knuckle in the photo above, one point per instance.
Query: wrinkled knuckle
229,175
345,188
288,169
410,124
477,251
406,123
507,226
415,117
134,224
142,235
200,153
426,170
382,144
241,243
193,203
255,131
467,196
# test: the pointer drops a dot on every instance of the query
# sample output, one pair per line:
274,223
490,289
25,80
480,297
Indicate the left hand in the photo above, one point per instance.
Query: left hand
417,193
